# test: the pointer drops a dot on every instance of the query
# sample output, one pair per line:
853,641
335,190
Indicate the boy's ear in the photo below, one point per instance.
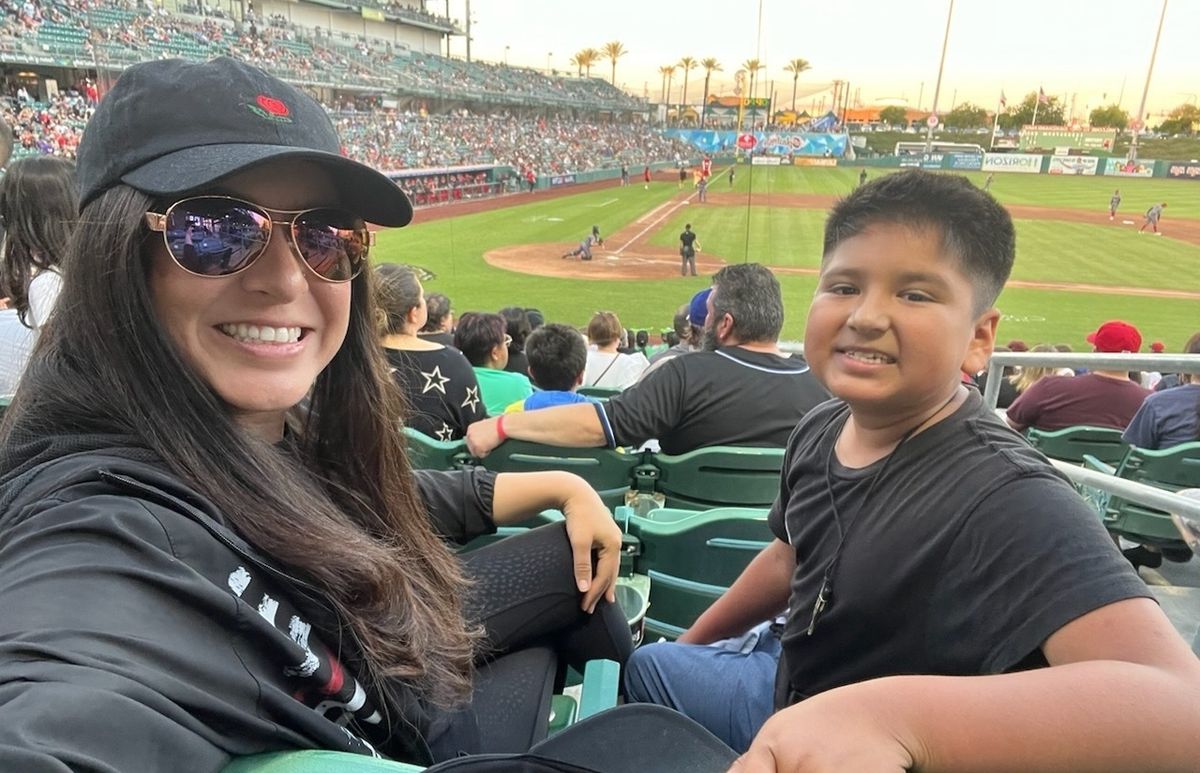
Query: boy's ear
983,341
579,379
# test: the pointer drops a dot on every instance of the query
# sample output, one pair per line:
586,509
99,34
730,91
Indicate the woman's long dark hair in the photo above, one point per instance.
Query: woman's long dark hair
39,200
340,511
398,292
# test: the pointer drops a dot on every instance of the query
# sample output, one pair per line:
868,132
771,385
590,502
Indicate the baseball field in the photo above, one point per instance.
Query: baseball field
1074,267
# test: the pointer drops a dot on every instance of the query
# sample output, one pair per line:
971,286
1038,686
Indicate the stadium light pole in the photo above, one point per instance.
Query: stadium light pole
937,86
1140,117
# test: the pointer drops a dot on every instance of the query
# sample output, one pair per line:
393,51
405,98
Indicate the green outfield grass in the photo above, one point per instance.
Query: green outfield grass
1047,251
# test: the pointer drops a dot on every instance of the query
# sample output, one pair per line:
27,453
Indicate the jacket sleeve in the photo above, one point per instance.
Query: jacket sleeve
107,646
459,502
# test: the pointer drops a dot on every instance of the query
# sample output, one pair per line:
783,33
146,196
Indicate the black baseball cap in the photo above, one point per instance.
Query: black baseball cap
172,127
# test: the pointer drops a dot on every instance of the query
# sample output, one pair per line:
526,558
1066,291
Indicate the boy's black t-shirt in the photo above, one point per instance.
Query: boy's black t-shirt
968,553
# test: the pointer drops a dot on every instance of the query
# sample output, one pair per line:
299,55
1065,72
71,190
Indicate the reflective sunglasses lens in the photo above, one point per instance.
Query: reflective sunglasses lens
333,243
216,236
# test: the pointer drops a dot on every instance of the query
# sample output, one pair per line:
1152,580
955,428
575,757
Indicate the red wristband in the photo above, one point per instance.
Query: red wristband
500,428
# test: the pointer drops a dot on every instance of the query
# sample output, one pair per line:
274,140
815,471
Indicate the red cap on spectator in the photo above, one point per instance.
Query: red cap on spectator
1116,336
1157,347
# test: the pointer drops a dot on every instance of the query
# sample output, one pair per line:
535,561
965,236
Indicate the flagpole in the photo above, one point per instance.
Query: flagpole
1036,104
996,122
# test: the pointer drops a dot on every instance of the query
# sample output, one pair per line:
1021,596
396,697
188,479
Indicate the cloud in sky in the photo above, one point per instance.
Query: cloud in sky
1096,50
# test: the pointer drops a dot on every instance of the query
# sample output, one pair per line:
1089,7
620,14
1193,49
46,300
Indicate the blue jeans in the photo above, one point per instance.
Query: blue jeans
729,692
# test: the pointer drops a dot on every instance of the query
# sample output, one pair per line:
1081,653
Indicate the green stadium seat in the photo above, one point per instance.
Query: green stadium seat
719,476
691,559
426,453
1073,443
1171,469
610,472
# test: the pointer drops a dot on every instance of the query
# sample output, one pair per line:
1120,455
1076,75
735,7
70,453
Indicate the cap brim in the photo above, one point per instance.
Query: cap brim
362,190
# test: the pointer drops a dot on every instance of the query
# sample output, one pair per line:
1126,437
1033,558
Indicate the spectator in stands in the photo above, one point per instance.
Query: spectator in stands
929,560
557,357
481,337
1170,417
1028,375
1100,398
516,324
442,391
16,340
193,557
606,366
39,203
535,317
688,326
439,320
1008,390
742,391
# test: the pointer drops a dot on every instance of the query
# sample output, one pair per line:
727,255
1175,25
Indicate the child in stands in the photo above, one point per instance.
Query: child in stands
557,359
952,604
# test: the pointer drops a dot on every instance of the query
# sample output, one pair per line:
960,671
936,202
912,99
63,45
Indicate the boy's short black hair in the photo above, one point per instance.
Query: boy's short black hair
557,356
974,227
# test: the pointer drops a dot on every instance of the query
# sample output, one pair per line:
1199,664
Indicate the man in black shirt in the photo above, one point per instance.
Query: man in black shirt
687,250
740,391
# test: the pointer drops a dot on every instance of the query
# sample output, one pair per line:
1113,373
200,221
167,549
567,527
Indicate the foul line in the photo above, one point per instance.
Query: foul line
654,222
604,203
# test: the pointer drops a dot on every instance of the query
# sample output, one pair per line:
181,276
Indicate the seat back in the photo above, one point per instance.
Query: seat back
1171,469
692,558
608,471
426,453
719,476
599,392
315,761
1073,443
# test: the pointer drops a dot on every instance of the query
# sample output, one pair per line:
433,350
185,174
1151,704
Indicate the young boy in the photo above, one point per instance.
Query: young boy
932,564
557,358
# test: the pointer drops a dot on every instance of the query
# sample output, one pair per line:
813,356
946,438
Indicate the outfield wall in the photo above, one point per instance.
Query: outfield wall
1034,163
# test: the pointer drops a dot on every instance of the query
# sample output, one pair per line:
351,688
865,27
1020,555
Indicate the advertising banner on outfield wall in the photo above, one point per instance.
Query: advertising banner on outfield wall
922,160
766,160
1026,163
769,143
1074,165
808,161
1119,167
1183,170
561,179
964,161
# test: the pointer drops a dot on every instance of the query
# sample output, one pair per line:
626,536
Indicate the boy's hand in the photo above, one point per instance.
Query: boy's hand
483,437
833,732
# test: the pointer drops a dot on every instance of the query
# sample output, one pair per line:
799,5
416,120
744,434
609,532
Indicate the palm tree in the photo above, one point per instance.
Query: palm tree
688,64
666,71
613,51
577,60
591,56
795,67
752,66
710,66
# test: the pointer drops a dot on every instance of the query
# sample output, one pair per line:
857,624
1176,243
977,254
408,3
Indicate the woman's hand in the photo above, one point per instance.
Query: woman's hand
841,730
590,526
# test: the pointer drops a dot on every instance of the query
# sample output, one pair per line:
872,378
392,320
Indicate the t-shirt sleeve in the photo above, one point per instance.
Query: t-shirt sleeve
1025,410
43,294
1141,431
459,502
650,407
1031,558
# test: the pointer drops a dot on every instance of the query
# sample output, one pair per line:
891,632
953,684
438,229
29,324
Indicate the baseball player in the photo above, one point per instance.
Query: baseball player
584,250
1152,217
1113,203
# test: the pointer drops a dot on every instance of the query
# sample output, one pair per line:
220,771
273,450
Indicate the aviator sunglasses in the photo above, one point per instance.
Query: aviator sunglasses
221,235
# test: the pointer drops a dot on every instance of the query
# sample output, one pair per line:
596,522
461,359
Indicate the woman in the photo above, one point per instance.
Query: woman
439,322
481,338
38,204
191,567
442,391
1170,417
607,367
517,326
1027,375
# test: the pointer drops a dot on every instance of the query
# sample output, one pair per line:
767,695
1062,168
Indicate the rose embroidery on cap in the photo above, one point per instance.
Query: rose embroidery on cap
271,108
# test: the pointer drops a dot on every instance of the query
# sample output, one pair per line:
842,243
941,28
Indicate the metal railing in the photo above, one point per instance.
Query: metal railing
1163,363
1141,493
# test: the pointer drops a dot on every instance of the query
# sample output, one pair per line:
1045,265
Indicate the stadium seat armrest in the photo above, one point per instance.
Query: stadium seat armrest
601,680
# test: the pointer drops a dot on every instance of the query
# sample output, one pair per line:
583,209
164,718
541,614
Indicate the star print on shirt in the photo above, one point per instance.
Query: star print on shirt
435,380
472,400
446,433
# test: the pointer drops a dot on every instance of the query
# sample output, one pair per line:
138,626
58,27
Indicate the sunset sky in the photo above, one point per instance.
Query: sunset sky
1096,51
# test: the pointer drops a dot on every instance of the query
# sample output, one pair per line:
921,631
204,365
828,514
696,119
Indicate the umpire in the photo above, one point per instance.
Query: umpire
688,247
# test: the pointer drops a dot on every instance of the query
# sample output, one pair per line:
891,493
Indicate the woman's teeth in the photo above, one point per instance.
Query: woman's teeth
270,335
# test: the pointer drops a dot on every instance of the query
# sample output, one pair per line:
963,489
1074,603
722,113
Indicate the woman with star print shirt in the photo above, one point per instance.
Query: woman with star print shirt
442,391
